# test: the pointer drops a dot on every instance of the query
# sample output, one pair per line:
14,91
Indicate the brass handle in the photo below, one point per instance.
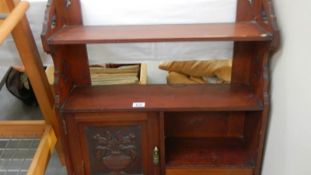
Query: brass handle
156,156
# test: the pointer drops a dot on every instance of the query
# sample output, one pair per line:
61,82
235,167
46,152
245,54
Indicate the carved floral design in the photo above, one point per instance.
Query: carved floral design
116,149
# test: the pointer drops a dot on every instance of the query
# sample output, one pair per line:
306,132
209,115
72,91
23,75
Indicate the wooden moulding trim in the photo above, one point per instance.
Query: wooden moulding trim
205,171
43,153
22,128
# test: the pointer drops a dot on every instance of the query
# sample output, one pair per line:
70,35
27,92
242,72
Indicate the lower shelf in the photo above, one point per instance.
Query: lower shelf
207,152
163,98
206,171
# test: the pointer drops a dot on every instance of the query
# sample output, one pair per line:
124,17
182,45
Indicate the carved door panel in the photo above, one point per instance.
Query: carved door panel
115,149
118,143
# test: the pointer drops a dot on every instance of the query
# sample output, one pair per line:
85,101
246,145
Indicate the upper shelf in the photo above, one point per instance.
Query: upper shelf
241,31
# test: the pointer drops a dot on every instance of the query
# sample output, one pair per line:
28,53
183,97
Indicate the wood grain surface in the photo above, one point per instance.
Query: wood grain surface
243,31
162,97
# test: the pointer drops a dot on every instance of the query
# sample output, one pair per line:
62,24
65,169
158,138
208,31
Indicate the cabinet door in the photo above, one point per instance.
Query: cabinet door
117,143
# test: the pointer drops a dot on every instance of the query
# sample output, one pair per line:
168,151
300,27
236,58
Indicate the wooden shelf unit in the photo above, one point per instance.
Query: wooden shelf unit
182,129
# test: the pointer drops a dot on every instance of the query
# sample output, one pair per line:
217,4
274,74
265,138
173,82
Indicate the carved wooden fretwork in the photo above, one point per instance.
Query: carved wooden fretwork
268,17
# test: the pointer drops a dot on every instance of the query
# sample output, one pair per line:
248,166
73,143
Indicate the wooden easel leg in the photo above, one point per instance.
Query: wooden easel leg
29,54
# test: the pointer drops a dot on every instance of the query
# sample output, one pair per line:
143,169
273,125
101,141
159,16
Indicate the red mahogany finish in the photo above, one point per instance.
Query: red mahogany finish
243,31
163,129
162,98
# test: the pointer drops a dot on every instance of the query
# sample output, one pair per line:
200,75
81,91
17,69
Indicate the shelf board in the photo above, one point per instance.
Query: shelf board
206,170
241,31
162,98
207,152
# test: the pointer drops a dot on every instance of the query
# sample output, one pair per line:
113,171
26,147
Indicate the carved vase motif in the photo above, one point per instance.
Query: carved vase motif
117,149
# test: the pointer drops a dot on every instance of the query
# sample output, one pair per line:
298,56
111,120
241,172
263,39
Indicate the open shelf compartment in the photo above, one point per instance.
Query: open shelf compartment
209,142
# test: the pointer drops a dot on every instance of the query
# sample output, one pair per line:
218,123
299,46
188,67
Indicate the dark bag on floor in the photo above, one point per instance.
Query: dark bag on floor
19,85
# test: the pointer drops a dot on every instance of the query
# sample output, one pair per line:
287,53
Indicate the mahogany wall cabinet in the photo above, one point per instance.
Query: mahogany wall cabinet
163,129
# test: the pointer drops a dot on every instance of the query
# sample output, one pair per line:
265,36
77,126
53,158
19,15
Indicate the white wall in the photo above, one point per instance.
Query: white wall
288,150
